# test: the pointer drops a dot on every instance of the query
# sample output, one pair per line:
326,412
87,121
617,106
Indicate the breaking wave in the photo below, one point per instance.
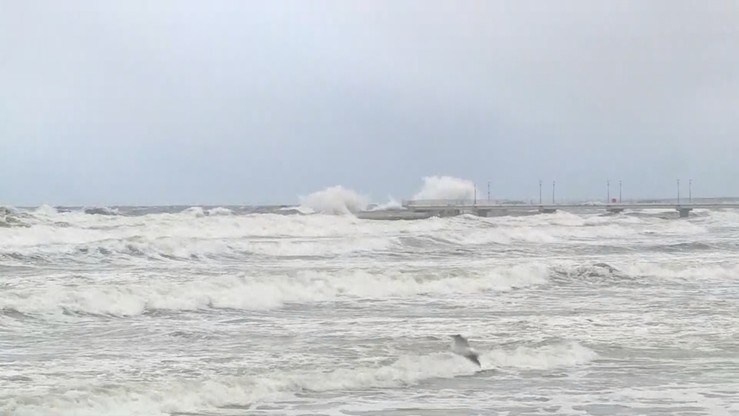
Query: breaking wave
391,204
445,187
546,357
101,211
10,217
642,273
236,392
261,293
335,200
179,396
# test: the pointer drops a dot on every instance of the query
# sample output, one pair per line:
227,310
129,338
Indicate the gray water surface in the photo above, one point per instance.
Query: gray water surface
196,312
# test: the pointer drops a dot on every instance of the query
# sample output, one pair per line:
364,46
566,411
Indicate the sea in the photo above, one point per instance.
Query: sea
225,311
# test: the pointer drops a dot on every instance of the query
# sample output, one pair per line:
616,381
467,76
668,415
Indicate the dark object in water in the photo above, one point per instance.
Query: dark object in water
461,347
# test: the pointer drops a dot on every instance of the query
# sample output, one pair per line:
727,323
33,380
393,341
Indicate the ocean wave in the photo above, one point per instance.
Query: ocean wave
445,187
544,357
171,235
641,272
219,211
297,210
193,249
8,221
595,273
262,293
101,211
223,220
335,200
391,204
723,217
11,217
122,298
45,210
13,313
685,247
196,234
695,271
172,396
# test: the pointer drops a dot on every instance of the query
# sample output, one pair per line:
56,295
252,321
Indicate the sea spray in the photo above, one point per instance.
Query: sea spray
335,200
445,187
243,292
391,203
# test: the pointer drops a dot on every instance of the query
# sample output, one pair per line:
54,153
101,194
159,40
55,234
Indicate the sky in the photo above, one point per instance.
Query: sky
254,102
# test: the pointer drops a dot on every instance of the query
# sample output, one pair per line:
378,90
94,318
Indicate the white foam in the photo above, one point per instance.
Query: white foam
335,200
186,234
200,395
697,270
564,354
262,292
391,204
193,235
219,211
101,210
723,217
45,210
445,187
195,212
300,209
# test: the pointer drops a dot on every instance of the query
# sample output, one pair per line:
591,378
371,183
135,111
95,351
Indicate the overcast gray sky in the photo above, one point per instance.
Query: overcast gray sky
141,102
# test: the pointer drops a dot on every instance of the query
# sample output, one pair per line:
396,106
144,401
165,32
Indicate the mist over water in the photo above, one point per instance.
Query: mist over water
445,187
335,200
338,200
236,310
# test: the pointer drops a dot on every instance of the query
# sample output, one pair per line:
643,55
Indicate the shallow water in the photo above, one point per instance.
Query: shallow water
231,312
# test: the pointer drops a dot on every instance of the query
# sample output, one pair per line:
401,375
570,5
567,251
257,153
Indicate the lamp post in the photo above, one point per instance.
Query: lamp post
540,192
678,191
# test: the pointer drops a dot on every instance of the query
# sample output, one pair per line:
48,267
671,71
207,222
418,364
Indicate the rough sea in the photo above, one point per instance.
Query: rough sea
230,311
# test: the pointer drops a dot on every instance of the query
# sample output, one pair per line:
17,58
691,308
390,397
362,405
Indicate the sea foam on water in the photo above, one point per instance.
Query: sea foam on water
335,200
209,311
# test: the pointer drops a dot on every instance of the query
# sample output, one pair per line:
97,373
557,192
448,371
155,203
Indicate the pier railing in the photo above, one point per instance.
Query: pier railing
484,203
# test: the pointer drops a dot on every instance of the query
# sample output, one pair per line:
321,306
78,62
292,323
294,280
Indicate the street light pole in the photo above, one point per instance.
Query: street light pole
678,191
554,183
608,192
619,191
540,192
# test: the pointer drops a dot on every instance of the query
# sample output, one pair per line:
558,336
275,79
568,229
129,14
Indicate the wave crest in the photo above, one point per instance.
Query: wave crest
335,200
180,395
175,396
266,292
547,357
445,187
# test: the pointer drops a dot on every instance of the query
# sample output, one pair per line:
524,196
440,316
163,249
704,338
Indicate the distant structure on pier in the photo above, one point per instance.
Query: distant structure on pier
485,208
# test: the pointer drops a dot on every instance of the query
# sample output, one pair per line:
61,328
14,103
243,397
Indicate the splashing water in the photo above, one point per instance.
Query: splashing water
445,187
335,200
222,311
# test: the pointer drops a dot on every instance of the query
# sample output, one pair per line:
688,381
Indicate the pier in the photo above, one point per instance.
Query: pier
453,207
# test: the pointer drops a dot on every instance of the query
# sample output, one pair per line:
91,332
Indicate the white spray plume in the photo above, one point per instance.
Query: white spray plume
391,203
445,187
335,200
